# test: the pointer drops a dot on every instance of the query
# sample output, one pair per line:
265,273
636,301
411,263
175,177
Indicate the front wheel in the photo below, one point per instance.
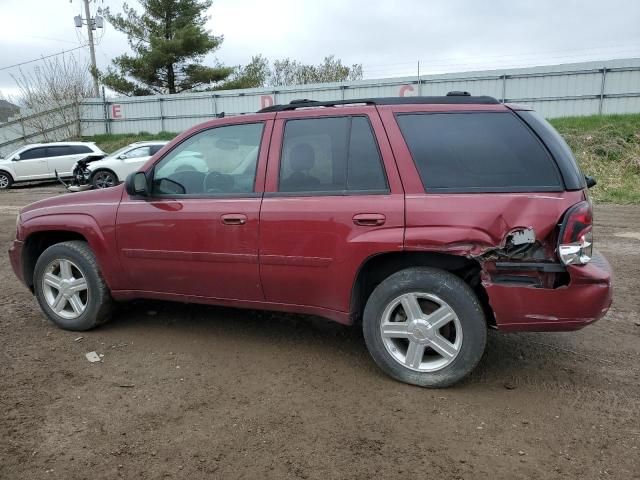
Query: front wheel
104,179
5,180
70,288
425,326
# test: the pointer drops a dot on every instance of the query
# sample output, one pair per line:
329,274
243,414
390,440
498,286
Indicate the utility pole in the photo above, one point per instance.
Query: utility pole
92,49
92,23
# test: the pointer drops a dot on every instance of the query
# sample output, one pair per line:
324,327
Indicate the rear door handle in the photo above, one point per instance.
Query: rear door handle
369,219
234,219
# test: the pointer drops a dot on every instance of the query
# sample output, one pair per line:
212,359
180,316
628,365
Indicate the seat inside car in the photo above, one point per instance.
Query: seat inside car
302,158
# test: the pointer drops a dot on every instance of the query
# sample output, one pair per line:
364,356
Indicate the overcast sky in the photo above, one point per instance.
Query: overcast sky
388,37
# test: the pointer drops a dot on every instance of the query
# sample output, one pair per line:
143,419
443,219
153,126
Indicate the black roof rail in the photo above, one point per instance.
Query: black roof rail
450,99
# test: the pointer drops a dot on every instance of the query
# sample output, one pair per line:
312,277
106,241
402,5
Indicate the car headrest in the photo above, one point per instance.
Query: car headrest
302,157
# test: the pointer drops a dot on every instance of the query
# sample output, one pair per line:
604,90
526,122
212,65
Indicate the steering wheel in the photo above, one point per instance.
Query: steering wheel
216,182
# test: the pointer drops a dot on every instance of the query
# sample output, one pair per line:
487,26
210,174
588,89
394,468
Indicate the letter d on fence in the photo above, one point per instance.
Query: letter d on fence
266,101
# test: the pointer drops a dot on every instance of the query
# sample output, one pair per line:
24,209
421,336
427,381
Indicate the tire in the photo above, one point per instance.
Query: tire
104,179
58,300
450,351
6,180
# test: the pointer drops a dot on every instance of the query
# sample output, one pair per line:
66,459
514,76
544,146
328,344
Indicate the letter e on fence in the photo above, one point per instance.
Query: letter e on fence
266,101
116,111
404,89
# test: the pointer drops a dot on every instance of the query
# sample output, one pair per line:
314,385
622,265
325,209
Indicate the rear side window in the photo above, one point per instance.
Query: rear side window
331,155
77,149
478,152
59,151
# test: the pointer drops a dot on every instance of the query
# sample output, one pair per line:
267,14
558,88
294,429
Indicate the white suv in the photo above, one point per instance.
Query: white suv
114,168
41,161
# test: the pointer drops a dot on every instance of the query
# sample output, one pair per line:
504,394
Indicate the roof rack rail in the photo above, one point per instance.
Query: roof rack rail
450,98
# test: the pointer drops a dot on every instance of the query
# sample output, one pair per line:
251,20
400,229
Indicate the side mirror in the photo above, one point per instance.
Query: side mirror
136,185
591,181
122,156
17,157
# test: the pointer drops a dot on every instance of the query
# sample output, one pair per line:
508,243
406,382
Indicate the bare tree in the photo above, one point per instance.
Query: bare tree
51,94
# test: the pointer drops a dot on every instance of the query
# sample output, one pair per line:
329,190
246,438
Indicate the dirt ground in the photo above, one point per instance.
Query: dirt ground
200,392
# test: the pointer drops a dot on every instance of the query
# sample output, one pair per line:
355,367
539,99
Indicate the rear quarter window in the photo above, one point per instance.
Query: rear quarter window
478,152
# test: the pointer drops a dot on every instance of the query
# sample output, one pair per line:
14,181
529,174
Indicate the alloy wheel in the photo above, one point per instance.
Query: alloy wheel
421,331
65,288
104,180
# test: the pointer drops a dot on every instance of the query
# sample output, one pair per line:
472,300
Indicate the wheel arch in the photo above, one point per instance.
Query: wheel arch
42,232
380,266
8,172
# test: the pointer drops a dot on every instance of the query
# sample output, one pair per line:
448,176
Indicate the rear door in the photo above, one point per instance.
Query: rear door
62,158
32,164
332,199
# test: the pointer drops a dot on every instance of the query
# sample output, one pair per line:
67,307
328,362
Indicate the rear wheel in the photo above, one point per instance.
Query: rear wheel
104,179
425,327
5,180
70,288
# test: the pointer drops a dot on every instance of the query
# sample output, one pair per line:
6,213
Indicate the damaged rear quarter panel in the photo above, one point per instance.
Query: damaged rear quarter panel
472,224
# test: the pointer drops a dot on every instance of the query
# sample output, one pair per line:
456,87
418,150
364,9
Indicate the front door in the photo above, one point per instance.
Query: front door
197,234
32,164
333,198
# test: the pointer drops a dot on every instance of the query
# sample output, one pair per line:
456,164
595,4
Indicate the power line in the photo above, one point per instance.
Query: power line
42,58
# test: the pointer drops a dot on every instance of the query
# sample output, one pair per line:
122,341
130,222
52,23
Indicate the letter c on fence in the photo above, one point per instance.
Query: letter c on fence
116,111
404,89
266,101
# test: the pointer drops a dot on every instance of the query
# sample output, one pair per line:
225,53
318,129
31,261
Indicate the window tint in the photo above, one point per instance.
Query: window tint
153,149
40,152
483,152
217,161
77,149
330,155
59,151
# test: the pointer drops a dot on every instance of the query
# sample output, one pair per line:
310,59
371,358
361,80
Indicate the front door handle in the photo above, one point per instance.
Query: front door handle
369,219
234,219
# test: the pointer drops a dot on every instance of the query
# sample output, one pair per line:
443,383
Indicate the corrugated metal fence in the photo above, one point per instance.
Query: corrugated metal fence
555,91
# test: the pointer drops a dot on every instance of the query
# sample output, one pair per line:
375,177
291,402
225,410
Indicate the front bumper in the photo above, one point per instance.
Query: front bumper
15,256
585,300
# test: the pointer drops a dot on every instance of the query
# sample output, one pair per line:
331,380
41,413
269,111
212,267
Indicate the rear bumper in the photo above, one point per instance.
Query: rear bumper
585,300
15,256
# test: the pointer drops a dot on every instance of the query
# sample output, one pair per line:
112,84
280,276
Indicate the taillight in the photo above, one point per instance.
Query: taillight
575,243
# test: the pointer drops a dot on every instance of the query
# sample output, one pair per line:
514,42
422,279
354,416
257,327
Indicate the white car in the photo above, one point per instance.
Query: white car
41,161
114,168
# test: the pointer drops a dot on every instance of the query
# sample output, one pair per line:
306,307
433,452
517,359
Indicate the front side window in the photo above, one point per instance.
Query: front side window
137,153
478,152
331,155
217,161
40,152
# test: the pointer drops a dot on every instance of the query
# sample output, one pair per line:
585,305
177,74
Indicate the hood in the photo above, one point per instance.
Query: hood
75,203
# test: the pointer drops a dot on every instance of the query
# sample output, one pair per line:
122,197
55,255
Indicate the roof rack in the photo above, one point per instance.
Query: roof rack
450,98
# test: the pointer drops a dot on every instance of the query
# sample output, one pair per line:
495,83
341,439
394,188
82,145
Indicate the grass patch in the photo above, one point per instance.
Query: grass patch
608,148
111,143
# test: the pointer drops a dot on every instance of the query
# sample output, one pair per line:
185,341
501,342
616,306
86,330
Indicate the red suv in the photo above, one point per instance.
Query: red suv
426,220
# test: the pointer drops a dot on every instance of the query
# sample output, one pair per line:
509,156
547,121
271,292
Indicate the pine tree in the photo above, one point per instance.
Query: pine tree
169,41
